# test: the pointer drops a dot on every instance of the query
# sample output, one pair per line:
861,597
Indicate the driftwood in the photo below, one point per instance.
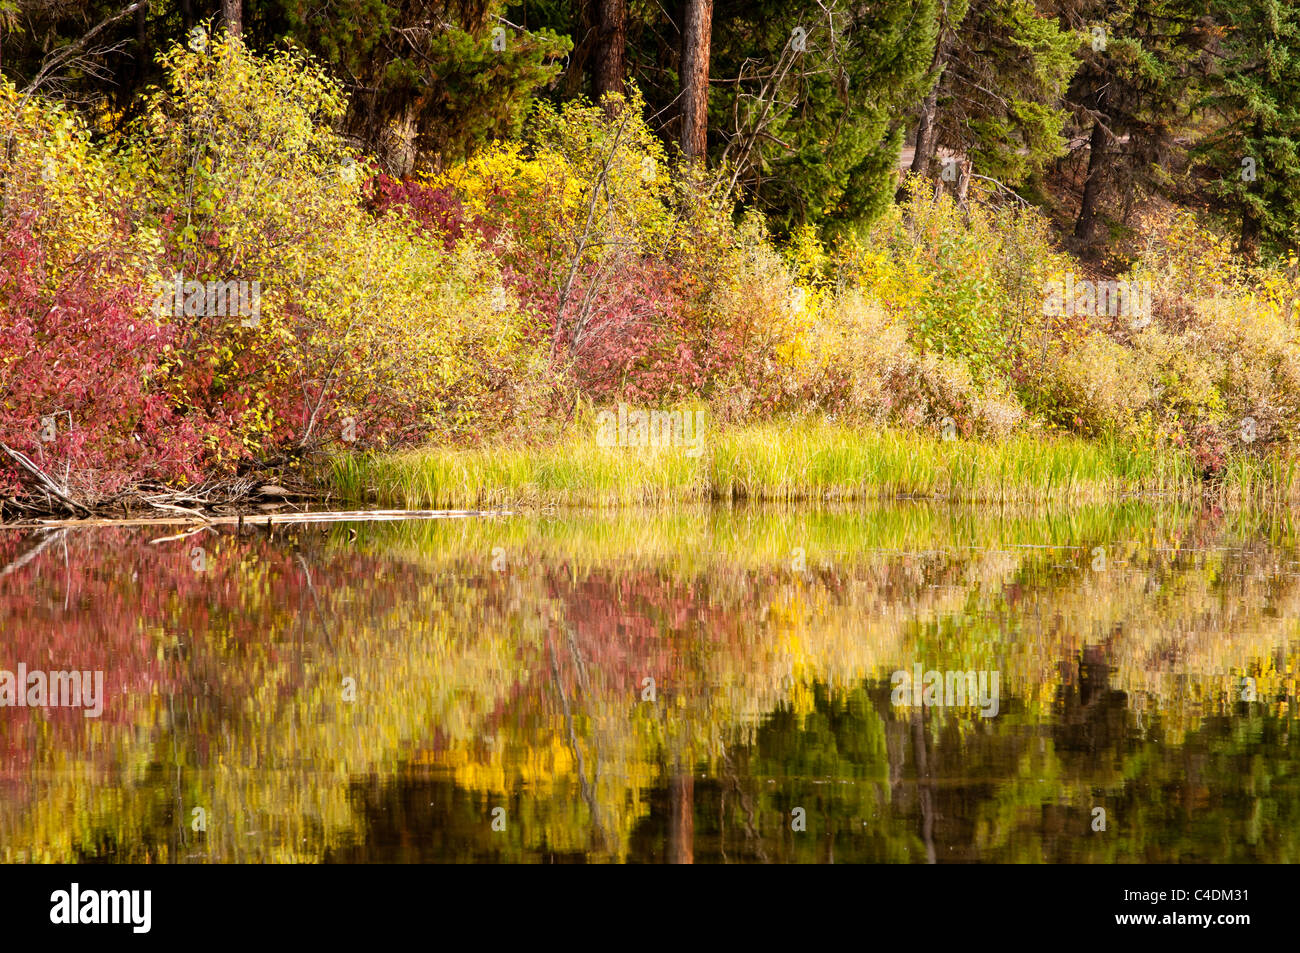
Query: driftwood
42,480
178,509
274,519
46,497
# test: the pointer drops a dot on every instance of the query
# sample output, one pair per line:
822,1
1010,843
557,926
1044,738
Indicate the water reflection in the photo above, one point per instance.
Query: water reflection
661,688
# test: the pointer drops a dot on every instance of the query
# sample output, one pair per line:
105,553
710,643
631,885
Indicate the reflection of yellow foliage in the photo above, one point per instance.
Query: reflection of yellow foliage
455,672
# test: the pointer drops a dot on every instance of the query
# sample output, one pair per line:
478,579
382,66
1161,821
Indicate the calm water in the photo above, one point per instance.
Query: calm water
650,688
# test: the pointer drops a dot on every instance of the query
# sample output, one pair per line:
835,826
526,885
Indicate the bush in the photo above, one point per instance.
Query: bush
82,377
1096,387
233,173
967,284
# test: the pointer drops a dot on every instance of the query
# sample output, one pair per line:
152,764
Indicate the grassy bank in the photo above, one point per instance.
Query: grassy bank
809,461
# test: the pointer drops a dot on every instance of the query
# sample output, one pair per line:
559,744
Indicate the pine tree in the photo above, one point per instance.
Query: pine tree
998,99
1131,98
1253,154
430,80
809,100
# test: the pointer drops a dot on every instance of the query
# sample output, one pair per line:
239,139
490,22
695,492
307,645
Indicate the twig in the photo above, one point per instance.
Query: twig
65,53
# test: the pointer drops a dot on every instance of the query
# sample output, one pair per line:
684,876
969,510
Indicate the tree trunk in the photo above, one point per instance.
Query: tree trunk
141,39
924,785
140,56
923,154
696,34
405,149
963,186
925,133
1086,224
584,39
232,15
611,40
1252,227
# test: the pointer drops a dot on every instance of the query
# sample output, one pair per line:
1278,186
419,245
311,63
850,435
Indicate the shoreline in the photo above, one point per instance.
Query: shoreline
804,463
259,520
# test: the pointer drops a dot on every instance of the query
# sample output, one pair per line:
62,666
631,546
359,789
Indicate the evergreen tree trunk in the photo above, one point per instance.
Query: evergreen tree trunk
681,817
925,132
611,41
696,36
405,150
1252,226
141,41
923,154
584,38
963,185
1086,223
1251,229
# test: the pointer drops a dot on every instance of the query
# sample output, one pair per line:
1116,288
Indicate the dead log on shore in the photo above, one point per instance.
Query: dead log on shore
275,519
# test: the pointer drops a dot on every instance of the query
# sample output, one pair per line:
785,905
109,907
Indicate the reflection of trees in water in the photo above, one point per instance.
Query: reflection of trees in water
984,806
525,686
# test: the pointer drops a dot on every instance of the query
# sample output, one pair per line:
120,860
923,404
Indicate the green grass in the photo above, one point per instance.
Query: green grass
800,462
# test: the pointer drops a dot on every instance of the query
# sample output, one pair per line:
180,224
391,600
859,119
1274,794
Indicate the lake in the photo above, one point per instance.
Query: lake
901,683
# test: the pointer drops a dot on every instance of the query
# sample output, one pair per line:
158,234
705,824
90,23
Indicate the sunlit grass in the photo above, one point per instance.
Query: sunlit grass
795,462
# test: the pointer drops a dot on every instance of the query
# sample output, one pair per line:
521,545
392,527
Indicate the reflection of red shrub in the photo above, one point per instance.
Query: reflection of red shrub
172,642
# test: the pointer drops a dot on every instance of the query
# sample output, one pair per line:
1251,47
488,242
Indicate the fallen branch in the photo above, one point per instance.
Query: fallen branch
276,519
171,507
43,480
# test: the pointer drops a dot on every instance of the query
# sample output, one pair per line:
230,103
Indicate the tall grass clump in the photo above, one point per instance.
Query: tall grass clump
797,461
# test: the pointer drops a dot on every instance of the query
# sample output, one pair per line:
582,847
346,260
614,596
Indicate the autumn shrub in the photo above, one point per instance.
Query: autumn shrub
636,283
1213,359
435,209
82,361
1094,387
1232,368
855,352
966,283
367,330
577,266
370,331
80,375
